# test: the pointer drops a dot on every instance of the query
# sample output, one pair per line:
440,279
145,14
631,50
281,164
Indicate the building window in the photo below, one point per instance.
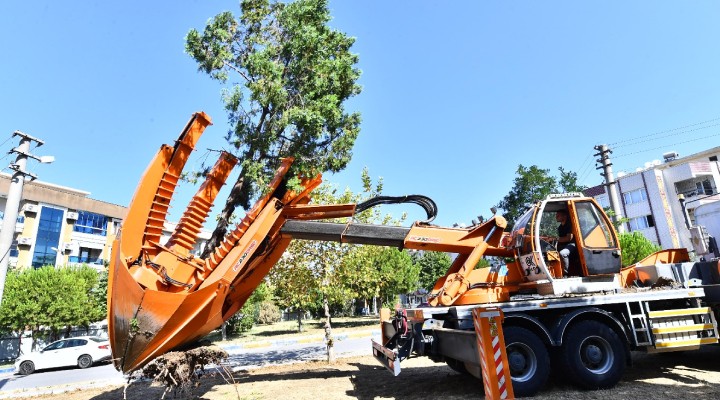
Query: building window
635,196
704,187
695,187
92,223
48,237
87,256
13,249
644,222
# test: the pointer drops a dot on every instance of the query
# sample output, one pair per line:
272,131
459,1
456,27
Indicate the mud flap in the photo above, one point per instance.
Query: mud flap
387,357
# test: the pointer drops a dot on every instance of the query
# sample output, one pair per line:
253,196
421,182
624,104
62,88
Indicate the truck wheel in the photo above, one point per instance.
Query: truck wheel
528,360
457,366
592,356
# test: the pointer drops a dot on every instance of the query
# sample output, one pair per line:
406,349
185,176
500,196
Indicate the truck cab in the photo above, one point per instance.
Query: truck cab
594,259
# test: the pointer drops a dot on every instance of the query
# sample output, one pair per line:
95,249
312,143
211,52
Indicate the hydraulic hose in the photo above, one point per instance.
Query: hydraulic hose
423,201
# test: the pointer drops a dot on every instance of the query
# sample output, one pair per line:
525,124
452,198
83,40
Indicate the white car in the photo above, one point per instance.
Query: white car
82,351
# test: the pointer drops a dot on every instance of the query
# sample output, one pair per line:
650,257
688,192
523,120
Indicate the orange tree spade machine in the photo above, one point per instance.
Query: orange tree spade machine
162,297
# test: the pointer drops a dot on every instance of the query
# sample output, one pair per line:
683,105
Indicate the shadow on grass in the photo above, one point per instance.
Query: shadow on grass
653,376
356,323
314,325
309,327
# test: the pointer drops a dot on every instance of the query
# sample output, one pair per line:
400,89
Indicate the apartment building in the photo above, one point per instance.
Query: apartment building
58,225
660,200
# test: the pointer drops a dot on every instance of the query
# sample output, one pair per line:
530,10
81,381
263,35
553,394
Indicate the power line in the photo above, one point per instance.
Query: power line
584,172
614,145
8,153
667,145
6,140
663,137
582,165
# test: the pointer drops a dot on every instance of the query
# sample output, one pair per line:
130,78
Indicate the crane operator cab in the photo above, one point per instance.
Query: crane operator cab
582,255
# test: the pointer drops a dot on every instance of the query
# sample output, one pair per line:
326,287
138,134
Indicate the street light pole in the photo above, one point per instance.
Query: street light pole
13,200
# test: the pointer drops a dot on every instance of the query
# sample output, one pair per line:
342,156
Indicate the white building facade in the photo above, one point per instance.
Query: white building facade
652,198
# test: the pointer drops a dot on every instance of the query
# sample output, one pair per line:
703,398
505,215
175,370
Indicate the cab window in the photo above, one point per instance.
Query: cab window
57,345
77,342
593,228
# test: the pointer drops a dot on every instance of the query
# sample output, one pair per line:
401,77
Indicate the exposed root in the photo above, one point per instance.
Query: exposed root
180,370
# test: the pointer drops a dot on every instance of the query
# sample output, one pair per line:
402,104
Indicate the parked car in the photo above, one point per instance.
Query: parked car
82,351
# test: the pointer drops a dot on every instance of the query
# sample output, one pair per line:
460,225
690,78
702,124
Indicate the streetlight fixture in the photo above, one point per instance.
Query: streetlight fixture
14,196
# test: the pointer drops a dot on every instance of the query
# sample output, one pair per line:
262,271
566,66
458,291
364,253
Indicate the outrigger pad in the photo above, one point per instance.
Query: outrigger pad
386,357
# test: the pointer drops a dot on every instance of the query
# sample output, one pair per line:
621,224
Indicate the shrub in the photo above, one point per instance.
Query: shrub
245,318
267,313
635,247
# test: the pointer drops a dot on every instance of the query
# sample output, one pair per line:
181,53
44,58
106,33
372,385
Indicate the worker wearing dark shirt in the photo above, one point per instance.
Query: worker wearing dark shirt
566,240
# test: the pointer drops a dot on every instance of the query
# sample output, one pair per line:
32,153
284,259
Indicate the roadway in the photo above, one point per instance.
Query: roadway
243,356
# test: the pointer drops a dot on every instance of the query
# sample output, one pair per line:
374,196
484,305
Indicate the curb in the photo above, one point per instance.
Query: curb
301,340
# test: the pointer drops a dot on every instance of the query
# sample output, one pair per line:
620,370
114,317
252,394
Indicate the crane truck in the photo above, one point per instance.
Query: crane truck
584,322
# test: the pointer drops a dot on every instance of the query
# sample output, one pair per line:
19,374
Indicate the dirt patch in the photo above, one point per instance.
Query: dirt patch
692,374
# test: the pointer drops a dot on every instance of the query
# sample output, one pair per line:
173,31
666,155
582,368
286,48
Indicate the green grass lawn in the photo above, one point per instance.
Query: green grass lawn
288,329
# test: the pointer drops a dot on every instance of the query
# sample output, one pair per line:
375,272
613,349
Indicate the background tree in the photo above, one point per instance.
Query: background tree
308,272
392,272
432,265
533,184
617,223
568,181
286,75
249,314
49,297
635,247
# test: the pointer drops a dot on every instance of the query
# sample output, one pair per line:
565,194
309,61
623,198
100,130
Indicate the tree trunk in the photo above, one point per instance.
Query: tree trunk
329,343
239,196
299,319
223,330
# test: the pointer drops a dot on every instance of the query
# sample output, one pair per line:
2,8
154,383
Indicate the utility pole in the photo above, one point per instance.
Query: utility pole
13,199
605,164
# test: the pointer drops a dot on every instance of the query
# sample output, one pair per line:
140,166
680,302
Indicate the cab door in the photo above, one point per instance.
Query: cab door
599,250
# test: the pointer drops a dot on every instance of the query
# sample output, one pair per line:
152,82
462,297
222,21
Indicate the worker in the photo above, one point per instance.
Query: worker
565,240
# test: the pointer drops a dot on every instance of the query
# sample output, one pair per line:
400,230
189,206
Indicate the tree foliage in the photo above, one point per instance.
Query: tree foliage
286,75
617,222
568,182
635,247
533,184
249,314
49,297
386,272
311,271
432,265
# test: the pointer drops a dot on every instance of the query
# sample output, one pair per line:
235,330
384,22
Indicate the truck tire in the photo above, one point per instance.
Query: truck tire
592,356
528,360
457,366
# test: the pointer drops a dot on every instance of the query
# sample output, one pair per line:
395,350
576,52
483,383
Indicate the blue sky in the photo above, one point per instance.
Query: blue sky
456,94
